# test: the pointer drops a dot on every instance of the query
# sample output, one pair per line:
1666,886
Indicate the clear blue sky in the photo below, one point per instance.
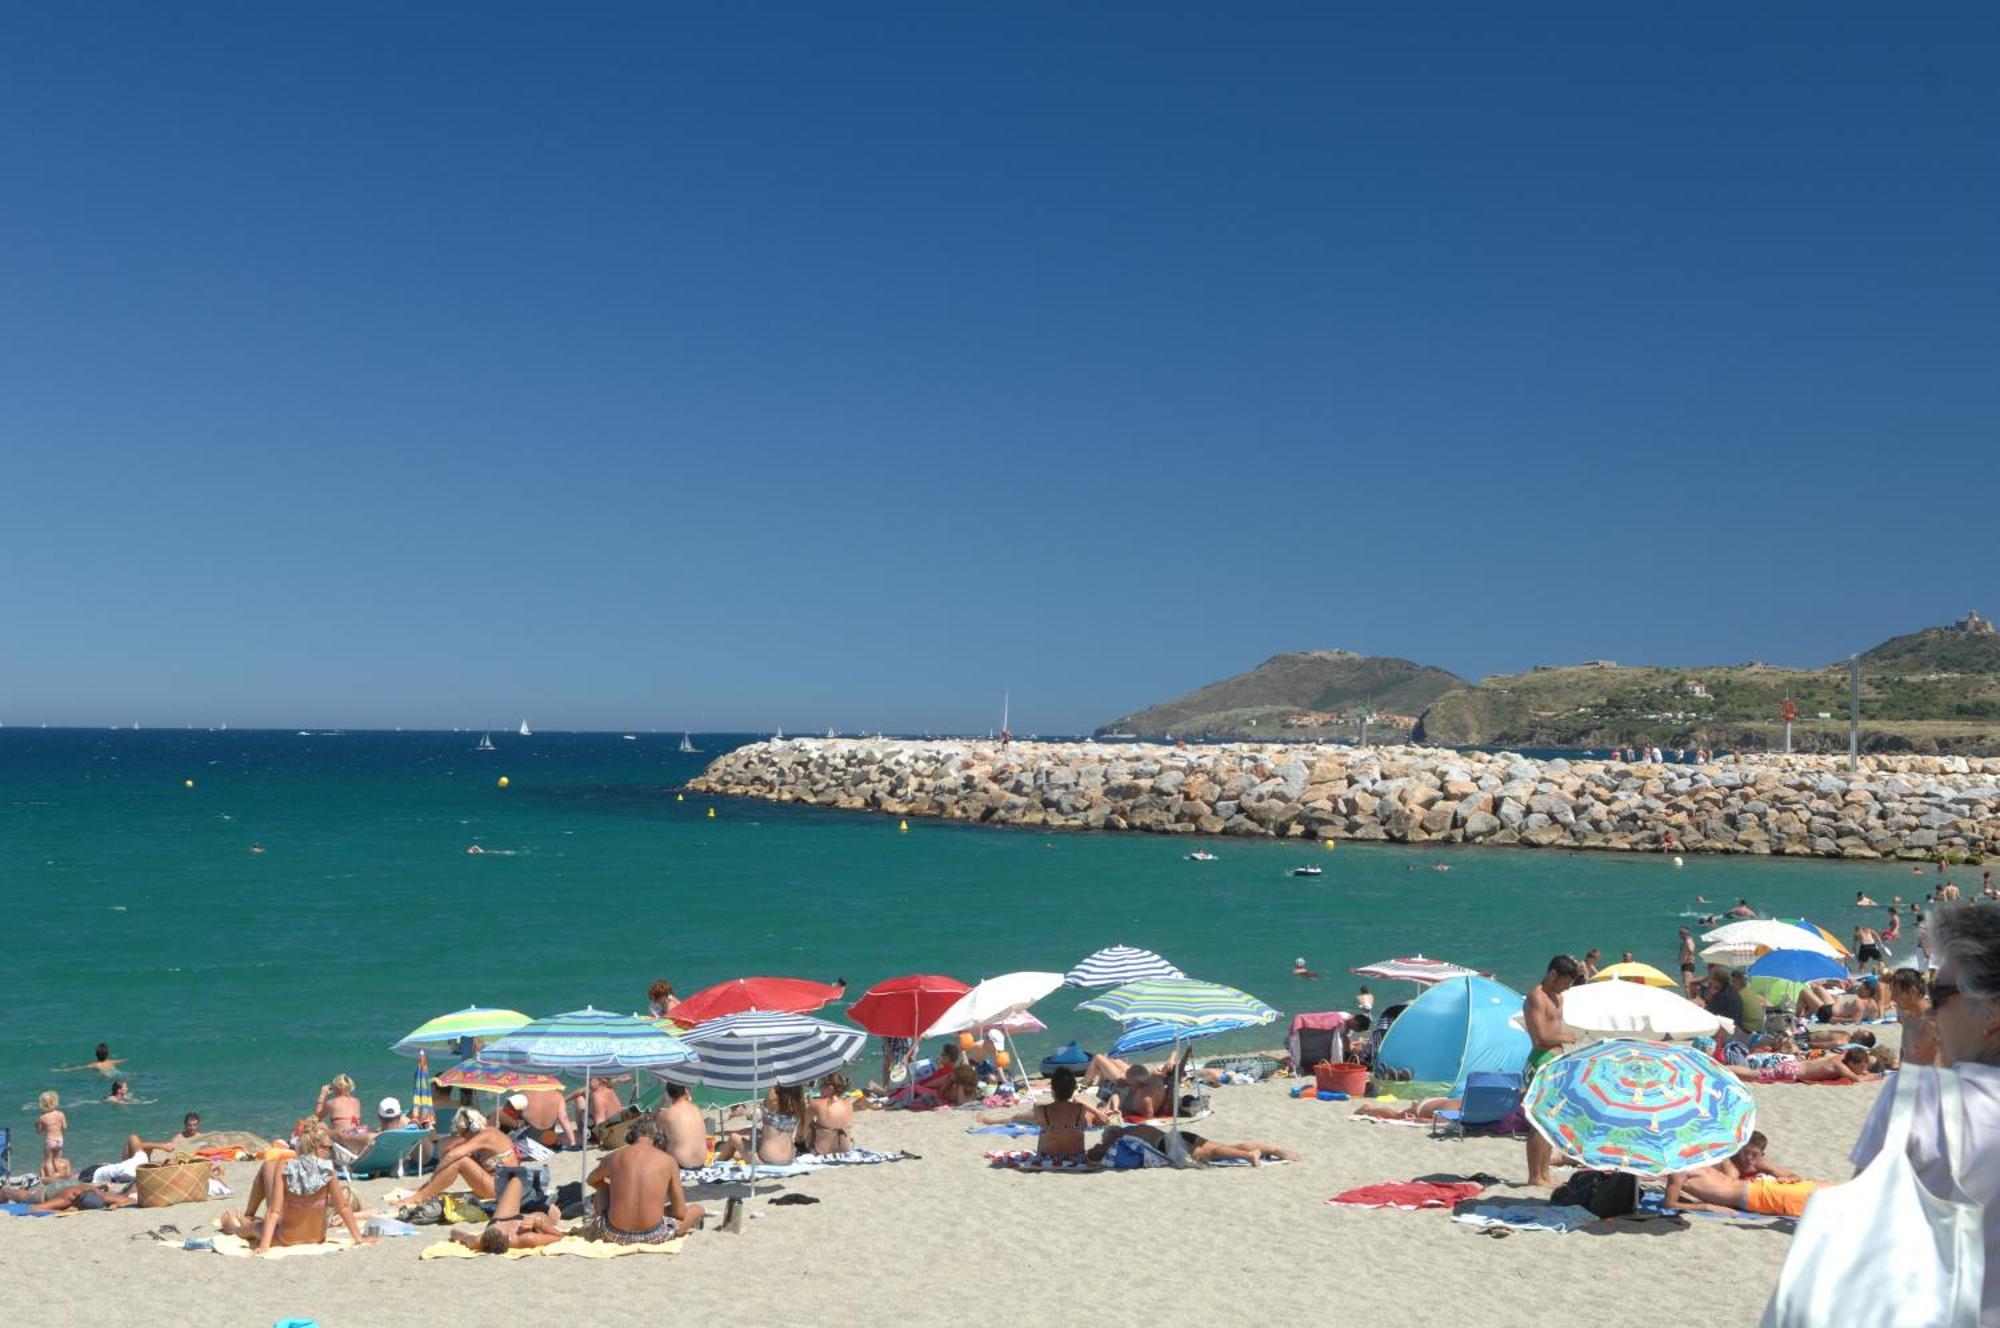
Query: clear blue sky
728,365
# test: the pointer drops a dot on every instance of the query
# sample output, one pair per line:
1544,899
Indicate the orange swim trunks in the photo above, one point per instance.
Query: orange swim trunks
1780,1198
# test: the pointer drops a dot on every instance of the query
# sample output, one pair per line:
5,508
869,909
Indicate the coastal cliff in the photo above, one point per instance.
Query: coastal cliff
1894,806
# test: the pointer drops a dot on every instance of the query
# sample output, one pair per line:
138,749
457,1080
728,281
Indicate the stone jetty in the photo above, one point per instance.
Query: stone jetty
1893,807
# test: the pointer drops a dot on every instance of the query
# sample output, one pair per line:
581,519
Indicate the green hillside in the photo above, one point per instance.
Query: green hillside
1937,650
1325,682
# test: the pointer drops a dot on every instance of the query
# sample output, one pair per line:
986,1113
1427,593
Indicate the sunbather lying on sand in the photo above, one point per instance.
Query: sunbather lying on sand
1745,1183
1199,1149
1422,1110
84,1199
1850,1066
520,1232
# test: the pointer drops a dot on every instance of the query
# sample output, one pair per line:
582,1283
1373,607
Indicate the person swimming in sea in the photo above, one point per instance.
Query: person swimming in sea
1299,969
101,1061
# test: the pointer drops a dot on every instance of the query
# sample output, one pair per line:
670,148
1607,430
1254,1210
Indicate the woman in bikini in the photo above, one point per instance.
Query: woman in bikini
295,1194
340,1110
830,1128
778,1136
1064,1120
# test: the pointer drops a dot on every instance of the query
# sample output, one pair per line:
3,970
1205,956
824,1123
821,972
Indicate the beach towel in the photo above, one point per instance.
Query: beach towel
1653,1203
571,1246
22,1210
1026,1159
1410,1194
1011,1131
856,1157
235,1247
1559,1218
726,1173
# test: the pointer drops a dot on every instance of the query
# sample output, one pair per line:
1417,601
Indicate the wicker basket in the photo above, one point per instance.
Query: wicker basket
183,1180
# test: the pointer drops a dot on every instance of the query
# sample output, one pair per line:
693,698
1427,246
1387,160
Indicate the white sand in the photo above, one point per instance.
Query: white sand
1231,1244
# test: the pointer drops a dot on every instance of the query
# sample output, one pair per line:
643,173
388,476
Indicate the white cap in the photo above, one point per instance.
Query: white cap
997,1038
390,1107
1300,962
518,1101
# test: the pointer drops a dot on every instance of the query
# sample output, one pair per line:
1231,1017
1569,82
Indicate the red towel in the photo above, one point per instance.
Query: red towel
1409,1194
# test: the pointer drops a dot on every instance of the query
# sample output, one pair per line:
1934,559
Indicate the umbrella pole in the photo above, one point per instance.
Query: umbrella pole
756,1121
583,1152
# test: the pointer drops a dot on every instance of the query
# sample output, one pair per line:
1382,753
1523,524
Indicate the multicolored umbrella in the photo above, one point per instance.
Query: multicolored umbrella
483,1078
1415,968
1797,966
1181,1002
420,1091
1646,1108
904,1007
471,1022
1116,965
1824,935
1635,972
787,995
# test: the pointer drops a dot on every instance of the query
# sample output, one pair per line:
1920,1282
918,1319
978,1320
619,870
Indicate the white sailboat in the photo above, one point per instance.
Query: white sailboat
831,734
485,743
524,730
687,744
779,736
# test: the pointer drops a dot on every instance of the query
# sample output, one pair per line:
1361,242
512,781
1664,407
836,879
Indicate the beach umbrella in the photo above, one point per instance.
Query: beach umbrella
480,1077
1771,934
1415,968
904,1007
993,1000
789,995
1797,966
1733,956
1646,1108
420,1090
1824,935
749,1051
1151,1035
1184,1004
587,1041
1632,1008
1635,972
471,1022
1116,965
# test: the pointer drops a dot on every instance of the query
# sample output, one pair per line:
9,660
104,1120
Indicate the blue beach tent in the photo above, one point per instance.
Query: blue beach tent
1456,1028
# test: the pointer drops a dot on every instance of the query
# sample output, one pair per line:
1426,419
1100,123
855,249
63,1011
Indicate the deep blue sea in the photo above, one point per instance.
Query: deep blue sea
235,983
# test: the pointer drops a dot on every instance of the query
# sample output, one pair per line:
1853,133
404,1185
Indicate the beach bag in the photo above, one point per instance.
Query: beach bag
1881,1249
183,1180
1604,1193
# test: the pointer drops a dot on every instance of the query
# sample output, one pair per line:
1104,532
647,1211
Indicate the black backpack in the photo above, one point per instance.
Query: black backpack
1604,1193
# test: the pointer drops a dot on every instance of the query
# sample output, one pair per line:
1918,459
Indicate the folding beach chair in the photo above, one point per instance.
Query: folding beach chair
1489,1096
6,1152
386,1156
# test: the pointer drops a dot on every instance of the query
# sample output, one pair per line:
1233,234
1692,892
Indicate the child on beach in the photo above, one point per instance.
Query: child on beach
52,1123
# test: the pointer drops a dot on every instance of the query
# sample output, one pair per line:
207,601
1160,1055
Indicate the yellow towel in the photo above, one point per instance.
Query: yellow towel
235,1247
576,1246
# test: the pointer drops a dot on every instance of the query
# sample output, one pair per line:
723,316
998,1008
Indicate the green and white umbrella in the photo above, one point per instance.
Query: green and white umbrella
448,1029
1188,1005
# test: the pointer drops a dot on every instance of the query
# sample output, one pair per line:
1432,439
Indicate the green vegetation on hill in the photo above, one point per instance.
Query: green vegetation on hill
1936,650
1322,682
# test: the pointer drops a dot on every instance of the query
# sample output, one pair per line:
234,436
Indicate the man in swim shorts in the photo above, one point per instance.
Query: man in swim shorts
1720,1189
639,1198
1542,1014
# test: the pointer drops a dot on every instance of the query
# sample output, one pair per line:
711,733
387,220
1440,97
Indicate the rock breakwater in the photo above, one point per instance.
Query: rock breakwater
1894,806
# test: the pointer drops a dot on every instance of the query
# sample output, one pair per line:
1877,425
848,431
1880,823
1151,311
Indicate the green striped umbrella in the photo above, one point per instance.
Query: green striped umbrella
471,1022
1181,1002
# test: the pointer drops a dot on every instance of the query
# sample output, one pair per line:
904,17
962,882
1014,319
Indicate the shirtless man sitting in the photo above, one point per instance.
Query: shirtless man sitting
1144,1095
1199,1149
182,1142
682,1131
639,1197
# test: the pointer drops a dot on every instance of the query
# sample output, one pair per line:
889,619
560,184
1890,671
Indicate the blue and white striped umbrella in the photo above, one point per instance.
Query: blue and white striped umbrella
1151,1034
1117,965
586,1041
750,1051
1182,1002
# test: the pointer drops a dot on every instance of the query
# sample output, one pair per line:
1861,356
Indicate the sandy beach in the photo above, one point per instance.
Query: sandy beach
1227,1244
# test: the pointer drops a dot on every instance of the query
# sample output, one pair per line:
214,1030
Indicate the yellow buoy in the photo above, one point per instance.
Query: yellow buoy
1677,863
1329,843
903,826
503,781
711,813
188,782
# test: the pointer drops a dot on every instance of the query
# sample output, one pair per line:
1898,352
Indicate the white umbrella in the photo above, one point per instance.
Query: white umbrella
993,1000
1769,934
1631,1008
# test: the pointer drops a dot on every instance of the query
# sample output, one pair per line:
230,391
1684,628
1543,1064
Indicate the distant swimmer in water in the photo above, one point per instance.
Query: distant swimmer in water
121,1092
1440,866
474,848
102,1061
1299,969
1861,900
256,848
1742,910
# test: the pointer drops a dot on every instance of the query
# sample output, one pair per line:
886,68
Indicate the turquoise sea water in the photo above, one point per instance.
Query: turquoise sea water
236,983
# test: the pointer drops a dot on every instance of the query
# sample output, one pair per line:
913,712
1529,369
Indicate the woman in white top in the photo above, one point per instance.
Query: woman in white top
1965,1005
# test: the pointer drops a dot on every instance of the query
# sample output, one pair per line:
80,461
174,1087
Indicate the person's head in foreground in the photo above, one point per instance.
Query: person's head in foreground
1965,990
644,1130
468,1122
1564,973
494,1240
660,992
50,1101
836,1085
341,1085
389,1113
1063,1084
191,1124
103,1052
1752,1151
314,1137
675,1092
1855,1059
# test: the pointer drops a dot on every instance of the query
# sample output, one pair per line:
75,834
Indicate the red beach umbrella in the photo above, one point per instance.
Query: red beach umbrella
904,1007
786,995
